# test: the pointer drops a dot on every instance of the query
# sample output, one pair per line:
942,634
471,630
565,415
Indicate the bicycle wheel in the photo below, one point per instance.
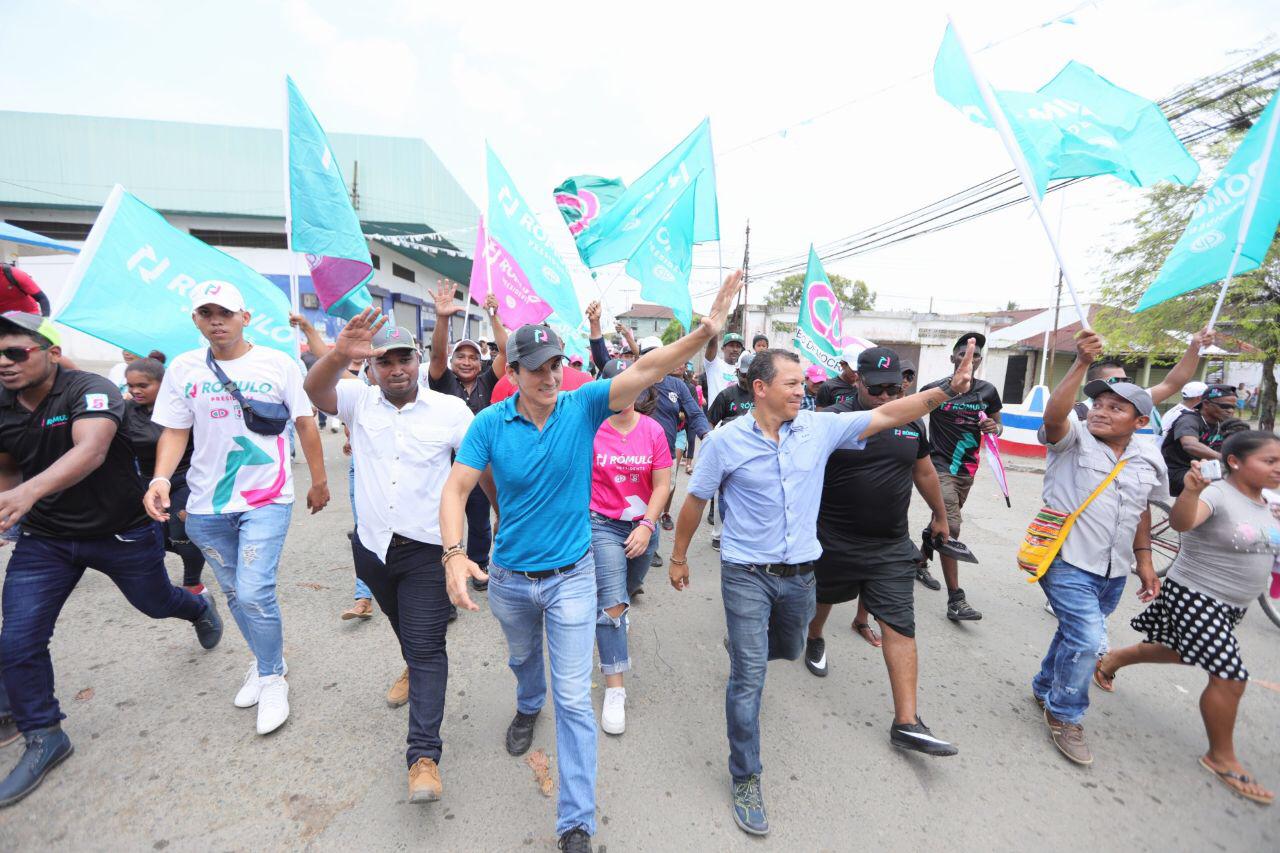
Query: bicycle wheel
1271,607
1165,541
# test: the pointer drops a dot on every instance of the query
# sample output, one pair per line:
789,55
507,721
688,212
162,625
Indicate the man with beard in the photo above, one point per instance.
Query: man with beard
867,552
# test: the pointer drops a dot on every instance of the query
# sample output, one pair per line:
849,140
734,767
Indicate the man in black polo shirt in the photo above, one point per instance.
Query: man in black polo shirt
839,389
468,376
1198,434
70,476
867,551
736,400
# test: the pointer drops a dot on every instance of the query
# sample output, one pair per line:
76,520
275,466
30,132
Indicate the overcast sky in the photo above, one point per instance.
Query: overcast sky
605,88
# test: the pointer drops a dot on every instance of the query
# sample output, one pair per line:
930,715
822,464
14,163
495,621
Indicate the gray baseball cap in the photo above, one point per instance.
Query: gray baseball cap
389,338
532,346
1140,398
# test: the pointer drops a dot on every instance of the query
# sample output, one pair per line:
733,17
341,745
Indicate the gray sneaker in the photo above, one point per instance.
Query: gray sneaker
748,807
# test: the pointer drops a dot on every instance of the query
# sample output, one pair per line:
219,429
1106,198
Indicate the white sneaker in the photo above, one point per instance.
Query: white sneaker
613,715
273,703
248,695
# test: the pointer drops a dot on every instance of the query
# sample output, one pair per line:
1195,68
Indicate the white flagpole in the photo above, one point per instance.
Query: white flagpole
1019,164
1246,218
288,208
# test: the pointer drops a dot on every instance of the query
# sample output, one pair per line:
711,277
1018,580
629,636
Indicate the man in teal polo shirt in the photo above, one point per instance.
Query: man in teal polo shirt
538,445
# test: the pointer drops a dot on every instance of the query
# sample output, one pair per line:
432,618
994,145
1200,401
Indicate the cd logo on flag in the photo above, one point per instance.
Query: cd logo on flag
550,275
661,273
1205,242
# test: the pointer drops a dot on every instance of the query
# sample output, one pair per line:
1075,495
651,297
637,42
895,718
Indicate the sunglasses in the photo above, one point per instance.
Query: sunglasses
1226,407
19,354
881,390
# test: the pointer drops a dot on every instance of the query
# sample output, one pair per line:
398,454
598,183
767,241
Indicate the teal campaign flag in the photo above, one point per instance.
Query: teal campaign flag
1078,124
582,198
818,327
665,259
1222,223
323,224
131,284
515,227
623,226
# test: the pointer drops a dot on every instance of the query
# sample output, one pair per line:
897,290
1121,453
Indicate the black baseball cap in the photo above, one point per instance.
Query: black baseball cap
879,366
908,365
758,338
612,368
963,341
1213,392
532,346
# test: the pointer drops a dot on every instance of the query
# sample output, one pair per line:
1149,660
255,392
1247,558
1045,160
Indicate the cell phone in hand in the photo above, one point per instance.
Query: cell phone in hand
1210,470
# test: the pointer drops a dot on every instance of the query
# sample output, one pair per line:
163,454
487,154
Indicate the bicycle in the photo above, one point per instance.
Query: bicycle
1167,542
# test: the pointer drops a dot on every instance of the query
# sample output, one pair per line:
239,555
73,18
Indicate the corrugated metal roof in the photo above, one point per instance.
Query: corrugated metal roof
69,160
644,311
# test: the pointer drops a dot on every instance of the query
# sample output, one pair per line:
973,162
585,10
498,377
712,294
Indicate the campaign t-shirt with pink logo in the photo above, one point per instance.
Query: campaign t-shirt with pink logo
622,471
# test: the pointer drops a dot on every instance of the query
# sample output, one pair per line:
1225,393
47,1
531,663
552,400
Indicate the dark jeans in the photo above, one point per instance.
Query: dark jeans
42,572
479,528
177,541
409,587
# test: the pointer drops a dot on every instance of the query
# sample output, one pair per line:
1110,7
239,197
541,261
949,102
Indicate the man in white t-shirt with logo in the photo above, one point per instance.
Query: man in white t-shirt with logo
721,370
240,478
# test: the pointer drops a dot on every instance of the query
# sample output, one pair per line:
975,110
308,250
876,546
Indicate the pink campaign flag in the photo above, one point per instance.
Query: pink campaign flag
993,459
494,270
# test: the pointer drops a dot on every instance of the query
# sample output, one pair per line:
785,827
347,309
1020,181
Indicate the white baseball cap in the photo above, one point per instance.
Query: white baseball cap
849,355
1194,389
467,342
218,293
651,342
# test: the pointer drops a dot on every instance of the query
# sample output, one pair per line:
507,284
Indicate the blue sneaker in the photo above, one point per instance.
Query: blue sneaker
748,806
209,624
46,749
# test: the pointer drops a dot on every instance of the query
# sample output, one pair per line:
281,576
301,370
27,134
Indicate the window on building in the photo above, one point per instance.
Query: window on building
55,230
309,300
241,239
403,272
377,262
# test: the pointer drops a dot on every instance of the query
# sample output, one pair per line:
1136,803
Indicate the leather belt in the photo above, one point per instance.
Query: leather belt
397,540
546,573
782,570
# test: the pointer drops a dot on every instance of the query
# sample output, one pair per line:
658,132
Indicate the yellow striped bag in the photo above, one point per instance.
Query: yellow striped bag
1048,531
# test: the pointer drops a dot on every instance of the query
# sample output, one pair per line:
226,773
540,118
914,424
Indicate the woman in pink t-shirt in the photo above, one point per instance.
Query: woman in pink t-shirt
630,478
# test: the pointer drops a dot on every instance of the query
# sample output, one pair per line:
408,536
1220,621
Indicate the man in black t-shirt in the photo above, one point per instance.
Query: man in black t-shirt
69,474
867,549
467,376
840,388
1198,434
736,400
955,434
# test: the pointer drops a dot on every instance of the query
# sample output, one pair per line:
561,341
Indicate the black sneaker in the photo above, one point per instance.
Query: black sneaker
520,734
478,586
666,521
46,749
656,560
815,656
8,730
958,609
575,840
922,575
453,614
637,591
917,737
208,624
715,542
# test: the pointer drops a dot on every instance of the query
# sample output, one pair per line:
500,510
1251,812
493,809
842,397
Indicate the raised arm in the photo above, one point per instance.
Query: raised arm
595,336
1185,369
1063,399
499,335
654,365
315,343
916,406
355,341
442,296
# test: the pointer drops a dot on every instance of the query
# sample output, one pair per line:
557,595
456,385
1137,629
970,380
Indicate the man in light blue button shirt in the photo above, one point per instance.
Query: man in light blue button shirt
770,466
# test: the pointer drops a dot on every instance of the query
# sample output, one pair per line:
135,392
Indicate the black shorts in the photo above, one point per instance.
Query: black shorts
887,588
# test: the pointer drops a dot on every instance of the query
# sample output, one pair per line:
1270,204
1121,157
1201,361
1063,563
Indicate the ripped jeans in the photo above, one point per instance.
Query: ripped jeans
615,572
1082,601
244,550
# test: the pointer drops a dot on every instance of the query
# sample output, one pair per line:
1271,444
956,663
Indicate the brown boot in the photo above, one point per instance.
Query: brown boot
424,781
362,609
399,692
1069,739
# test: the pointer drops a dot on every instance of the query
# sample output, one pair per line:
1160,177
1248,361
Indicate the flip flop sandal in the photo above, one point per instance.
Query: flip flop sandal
1099,674
864,630
1230,777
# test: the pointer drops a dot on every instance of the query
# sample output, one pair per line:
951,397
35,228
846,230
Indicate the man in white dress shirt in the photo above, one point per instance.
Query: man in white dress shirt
402,438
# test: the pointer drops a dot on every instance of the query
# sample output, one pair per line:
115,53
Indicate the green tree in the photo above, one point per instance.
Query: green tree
1251,312
853,295
1011,306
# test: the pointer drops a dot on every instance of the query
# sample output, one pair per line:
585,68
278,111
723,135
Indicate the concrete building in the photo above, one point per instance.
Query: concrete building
225,185
645,319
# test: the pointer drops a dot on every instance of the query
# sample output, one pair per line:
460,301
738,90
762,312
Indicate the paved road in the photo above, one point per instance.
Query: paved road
165,762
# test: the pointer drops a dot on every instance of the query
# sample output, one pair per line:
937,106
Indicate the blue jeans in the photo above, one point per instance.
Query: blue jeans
566,606
767,618
244,550
41,575
362,589
615,575
1082,601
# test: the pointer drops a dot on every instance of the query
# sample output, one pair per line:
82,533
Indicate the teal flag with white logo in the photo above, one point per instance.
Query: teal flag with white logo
582,198
323,224
622,227
818,326
1221,222
515,227
132,281
664,260
1077,125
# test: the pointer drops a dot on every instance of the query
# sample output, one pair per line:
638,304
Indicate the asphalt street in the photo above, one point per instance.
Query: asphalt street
164,761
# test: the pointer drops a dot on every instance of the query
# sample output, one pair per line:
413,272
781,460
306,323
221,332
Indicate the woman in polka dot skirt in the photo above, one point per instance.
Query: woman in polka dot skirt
1230,541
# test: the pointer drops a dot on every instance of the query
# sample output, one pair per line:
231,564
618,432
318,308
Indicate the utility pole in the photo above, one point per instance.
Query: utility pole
355,185
746,277
1053,338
